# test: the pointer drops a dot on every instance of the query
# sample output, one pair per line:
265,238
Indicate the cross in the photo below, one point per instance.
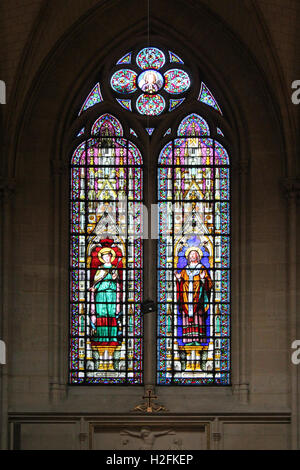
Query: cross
149,407
149,397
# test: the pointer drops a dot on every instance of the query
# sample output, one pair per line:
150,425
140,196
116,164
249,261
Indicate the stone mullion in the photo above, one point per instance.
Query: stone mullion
149,277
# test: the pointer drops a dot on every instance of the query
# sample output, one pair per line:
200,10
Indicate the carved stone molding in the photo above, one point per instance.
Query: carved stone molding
112,431
7,189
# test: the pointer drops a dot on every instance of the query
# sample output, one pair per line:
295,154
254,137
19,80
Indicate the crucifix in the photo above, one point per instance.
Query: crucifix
149,406
149,397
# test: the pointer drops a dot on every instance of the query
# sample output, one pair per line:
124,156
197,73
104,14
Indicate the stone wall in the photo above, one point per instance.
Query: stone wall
53,52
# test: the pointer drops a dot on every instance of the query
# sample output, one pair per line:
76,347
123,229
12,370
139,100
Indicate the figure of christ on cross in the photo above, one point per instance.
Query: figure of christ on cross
147,436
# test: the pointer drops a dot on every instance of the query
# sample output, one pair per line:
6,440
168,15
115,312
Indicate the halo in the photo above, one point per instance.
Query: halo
194,248
105,251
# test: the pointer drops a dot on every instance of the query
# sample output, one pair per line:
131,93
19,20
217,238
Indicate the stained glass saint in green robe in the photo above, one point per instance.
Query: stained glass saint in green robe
106,299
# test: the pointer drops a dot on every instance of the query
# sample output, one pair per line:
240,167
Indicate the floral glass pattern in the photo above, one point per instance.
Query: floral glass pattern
94,97
206,97
126,59
175,58
176,81
124,81
154,76
150,105
150,58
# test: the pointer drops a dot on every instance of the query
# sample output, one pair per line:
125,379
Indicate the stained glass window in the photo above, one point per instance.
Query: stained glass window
106,258
206,97
106,213
150,58
194,258
81,132
126,104
150,130
175,58
150,105
176,81
132,132
124,81
175,103
93,98
126,59
151,81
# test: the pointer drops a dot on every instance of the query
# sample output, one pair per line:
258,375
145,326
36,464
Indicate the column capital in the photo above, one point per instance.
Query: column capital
7,188
291,188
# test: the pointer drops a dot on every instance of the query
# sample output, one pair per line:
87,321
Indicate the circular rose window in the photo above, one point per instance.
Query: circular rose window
151,72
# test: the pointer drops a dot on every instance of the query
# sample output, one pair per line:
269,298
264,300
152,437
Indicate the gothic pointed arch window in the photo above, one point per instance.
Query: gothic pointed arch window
146,87
193,258
106,257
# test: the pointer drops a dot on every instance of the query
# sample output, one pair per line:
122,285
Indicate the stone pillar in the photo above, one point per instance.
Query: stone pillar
241,383
291,188
216,435
7,187
57,380
83,435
